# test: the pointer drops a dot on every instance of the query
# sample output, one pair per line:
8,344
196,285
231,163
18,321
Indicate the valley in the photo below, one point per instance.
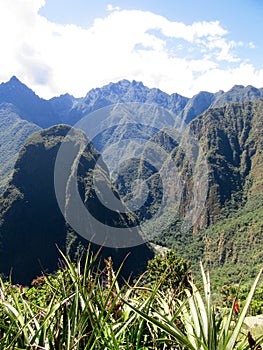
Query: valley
226,235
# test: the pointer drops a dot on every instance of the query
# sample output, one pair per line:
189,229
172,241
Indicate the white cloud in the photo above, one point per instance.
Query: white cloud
54,59
110,7
251,45
191,32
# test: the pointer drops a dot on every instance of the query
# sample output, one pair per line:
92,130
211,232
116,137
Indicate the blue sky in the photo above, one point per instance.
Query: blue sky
58,46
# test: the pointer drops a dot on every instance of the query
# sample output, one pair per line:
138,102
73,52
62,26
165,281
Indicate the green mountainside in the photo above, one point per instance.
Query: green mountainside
36,112
228,234
31,223
13,133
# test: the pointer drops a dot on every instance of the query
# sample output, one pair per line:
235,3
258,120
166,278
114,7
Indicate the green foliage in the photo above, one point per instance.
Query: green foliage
13,133
173,269
86,309
198,327
230,227
29,210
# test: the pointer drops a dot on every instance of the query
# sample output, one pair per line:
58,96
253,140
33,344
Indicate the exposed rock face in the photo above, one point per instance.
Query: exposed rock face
13,133
232,139
31,221
29,106
36,112
230,134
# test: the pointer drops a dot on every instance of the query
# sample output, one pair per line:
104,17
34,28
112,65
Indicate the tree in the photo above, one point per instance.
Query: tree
171,270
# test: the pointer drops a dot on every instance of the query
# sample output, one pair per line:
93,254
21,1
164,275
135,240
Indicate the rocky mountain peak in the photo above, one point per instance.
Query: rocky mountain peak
13,87
29,106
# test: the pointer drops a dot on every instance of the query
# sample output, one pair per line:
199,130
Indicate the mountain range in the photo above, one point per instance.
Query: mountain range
32,225
35,112
228,125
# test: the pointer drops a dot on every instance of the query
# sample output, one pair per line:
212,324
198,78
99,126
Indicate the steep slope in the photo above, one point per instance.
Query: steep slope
123,91
205,100
13,133
232,139
230,223
196,105
230,226
237,93
29,106
31,223
232,248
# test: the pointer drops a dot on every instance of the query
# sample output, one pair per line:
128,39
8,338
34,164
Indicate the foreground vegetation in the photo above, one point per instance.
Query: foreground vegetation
83,307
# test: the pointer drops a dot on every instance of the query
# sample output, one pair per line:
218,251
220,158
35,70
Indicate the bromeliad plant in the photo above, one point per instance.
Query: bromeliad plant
78,308
71,310
84,308
203,329
192,323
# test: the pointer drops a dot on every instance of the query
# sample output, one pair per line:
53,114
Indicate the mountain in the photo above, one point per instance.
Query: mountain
232,139
205,100
229,228
228,125
238,93
196,105
38,113
68,109
123,91
28,105
31,222
13,133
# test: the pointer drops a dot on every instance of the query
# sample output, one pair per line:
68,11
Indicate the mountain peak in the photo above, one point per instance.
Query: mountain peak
237,87
15,83
14,79
29,106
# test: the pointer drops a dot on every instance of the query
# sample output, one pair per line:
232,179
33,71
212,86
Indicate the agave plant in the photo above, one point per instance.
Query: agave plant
193,325
76,309
203,329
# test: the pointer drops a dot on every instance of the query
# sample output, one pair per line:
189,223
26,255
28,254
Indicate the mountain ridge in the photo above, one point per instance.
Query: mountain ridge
227,124
31,222
67,109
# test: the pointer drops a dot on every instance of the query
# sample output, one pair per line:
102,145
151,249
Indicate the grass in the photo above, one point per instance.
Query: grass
85,308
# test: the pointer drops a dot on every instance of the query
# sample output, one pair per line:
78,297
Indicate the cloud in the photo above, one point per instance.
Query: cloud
251,45
175,57
110,7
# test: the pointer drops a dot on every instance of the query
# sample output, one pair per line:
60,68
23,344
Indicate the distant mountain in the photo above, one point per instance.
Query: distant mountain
31,223
13,133
38,113
28,105
227,124
205,100
196,105
238,93
123,91
68,109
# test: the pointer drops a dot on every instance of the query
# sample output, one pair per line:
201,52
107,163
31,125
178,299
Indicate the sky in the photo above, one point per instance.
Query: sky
178,46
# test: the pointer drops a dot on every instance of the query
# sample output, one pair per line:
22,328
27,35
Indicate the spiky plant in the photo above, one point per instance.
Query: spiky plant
192,324
76,310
